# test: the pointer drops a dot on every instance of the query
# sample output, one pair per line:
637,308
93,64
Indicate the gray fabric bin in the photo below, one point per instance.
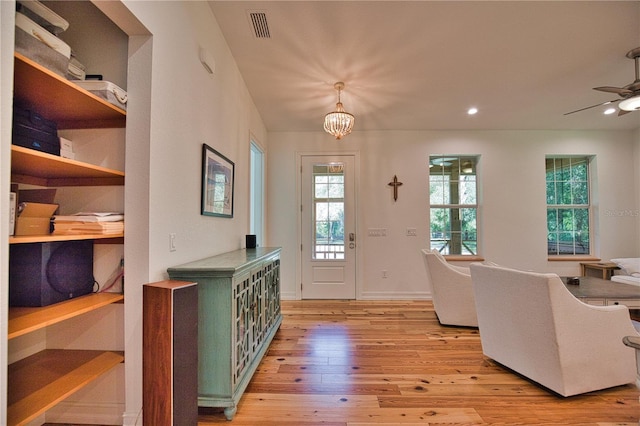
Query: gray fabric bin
39,52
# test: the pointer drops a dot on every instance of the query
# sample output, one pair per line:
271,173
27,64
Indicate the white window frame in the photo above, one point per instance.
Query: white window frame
571,206
256,191
467,166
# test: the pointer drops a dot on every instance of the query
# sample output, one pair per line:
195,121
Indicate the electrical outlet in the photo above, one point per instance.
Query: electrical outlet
384,273
172,242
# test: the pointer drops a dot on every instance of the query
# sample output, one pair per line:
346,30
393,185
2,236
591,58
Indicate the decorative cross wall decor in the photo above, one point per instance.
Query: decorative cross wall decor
395,185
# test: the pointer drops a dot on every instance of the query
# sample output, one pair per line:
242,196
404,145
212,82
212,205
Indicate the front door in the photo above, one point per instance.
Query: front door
328,227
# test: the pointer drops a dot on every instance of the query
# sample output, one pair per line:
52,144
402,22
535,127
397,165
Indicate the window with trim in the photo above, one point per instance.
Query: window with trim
329,202
568,206
453,204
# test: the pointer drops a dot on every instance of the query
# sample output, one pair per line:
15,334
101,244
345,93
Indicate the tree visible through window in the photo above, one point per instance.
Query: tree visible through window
454,204
568,205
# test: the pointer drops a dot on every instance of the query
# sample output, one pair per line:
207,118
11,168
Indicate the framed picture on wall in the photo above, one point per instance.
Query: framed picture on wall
217,183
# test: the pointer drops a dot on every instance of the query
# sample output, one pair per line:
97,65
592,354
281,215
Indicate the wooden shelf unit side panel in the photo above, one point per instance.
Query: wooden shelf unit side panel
27,320
61,100
34,387
170,353
39,168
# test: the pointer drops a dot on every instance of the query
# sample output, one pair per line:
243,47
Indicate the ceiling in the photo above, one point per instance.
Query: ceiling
419,65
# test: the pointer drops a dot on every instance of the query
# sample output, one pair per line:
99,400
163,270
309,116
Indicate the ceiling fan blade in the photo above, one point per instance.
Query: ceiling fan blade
623,112
618,90
592,106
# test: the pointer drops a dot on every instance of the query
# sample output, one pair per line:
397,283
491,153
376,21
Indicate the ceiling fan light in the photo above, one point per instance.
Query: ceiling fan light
339,123
630,104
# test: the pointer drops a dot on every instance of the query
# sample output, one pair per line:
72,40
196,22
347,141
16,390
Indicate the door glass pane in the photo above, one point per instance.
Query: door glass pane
328,214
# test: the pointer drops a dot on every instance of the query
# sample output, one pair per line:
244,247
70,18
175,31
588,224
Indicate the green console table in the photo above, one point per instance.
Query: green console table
238,315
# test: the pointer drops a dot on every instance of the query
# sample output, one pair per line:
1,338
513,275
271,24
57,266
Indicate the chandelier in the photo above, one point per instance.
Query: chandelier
338,123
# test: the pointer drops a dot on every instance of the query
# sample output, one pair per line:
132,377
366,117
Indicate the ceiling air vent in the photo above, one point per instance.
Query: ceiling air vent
259,24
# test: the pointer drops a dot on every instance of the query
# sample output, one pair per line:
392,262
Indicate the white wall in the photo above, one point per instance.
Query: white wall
512,189
189,107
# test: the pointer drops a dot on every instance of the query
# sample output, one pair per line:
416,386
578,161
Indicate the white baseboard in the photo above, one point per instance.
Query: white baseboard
395,295
288,295
377,295
132,419
86,413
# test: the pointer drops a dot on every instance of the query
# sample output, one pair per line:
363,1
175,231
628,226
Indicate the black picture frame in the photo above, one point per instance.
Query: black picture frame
218,176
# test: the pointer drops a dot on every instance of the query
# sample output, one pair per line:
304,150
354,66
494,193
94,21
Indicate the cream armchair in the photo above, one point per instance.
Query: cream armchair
532,324
452,290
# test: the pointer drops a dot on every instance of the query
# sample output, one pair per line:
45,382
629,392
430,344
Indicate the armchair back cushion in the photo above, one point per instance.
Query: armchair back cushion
452,290
532,324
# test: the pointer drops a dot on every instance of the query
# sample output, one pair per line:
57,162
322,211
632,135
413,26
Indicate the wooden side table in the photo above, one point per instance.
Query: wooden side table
602,270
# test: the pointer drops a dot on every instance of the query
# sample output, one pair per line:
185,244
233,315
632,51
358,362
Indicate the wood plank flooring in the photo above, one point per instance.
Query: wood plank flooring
359,363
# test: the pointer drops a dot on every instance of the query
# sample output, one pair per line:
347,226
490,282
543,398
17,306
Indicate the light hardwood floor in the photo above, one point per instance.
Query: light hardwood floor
363,363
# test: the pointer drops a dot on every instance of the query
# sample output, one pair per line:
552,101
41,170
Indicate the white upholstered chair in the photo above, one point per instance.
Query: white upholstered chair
452,290
532,324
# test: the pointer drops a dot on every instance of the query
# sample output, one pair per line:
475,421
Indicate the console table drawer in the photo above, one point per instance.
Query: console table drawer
630,303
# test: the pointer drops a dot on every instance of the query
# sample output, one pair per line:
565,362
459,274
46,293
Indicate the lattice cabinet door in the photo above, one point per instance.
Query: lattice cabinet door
243,313
258,303
272,289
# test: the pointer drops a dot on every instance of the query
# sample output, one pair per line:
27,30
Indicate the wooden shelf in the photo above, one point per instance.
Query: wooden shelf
40,381
39,168
25,320
113,238
62,101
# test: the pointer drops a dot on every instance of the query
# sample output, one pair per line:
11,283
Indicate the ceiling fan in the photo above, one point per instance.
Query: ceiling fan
629,94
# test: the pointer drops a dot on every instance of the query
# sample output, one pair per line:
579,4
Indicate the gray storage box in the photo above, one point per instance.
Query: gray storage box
105,90
39,45
41,53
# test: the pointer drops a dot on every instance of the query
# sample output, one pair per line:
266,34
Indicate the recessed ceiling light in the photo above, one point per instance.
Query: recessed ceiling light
609,111
472,111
